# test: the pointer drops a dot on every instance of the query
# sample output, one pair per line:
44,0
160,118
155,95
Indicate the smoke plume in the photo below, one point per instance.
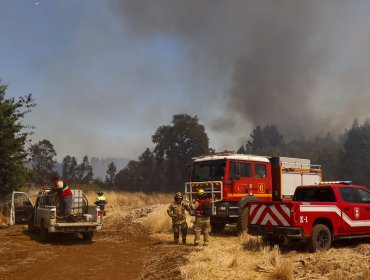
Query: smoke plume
301,65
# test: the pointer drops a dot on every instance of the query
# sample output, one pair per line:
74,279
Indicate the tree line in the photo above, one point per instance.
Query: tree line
163,168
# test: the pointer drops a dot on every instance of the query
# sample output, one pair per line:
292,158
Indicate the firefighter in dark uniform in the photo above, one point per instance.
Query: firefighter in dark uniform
203,211
177,211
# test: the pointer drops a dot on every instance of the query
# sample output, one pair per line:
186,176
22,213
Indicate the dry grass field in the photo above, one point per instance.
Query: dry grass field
230,256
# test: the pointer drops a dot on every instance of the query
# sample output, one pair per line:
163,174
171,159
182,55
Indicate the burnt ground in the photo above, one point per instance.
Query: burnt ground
123,251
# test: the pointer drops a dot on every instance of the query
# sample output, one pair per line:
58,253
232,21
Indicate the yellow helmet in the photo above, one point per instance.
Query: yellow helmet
200,192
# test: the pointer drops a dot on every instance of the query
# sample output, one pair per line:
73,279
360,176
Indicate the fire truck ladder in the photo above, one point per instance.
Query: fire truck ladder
213,189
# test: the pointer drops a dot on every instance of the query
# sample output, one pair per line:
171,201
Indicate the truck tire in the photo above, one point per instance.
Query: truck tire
44,234
217,227
320,239
243,220
32,229
87,235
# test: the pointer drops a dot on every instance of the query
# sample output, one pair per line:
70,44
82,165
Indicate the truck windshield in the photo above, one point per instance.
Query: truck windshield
208,170
314,194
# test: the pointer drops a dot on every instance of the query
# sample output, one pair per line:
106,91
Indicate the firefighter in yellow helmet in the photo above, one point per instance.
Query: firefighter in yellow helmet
101,201
203,211
177,211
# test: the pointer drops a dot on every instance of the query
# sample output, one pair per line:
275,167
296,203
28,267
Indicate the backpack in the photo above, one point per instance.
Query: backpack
207,208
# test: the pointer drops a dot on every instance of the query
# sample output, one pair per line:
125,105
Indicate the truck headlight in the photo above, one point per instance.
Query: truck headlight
222,208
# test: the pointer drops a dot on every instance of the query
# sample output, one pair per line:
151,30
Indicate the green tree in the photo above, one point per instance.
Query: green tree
111,173
85,171
130,178
42,159
266,140
355,159
73,170
176,144
65,167
12,140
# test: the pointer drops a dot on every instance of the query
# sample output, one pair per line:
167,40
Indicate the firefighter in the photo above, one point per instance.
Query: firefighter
202,210
101,201
65,197
177,212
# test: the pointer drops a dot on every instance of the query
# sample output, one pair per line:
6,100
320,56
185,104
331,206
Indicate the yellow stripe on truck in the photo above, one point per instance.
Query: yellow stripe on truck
242,195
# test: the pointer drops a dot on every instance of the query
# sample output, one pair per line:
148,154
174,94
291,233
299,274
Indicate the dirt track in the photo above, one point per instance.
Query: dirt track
116,253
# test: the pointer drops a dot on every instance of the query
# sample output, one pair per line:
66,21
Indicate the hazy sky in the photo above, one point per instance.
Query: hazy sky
106,74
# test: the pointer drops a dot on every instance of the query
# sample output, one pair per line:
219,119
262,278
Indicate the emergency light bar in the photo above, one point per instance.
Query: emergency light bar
336,182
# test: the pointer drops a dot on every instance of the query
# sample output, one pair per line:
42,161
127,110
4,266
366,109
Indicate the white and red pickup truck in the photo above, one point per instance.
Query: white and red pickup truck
318,213
44,218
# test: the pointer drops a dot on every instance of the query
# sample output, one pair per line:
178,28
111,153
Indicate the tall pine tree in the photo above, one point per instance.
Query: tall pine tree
12,140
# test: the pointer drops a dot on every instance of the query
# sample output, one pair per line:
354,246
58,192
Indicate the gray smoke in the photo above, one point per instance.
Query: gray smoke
302,65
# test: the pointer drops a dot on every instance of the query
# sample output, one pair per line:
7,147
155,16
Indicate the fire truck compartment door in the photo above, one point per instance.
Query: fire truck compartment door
290,180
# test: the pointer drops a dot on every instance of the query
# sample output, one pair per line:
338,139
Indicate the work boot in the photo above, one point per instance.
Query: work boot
196,243
205,243
176,237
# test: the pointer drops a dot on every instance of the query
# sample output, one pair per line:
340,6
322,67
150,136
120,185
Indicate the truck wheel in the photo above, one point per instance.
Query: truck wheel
87,235
243,220
32,229
217,227
320,239
44,234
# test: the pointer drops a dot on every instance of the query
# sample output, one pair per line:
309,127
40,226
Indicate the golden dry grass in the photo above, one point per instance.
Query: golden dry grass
127,199
229,256
159,221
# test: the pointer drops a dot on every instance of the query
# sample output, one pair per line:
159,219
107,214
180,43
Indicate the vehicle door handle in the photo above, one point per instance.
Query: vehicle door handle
346,209
367,208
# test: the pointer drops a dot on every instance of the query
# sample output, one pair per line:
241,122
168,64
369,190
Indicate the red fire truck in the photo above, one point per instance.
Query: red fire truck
318,214
232,181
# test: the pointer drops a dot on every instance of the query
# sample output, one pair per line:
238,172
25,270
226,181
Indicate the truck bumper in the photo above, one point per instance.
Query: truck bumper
268,230
75,227
226,211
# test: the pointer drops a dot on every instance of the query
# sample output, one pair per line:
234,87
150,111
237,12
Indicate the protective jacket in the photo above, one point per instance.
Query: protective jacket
177,212
101,201
202,207
62,189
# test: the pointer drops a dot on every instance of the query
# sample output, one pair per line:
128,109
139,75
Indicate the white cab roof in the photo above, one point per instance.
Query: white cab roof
232,156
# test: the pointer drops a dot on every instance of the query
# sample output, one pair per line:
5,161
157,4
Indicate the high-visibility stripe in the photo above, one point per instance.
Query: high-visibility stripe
274,214
278,215
258,214
336,210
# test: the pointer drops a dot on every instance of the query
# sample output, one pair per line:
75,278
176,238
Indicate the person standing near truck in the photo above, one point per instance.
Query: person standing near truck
101,200
203,211
177,211
65,196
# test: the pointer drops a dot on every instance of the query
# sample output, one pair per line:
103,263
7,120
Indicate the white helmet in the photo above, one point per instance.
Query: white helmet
59,184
